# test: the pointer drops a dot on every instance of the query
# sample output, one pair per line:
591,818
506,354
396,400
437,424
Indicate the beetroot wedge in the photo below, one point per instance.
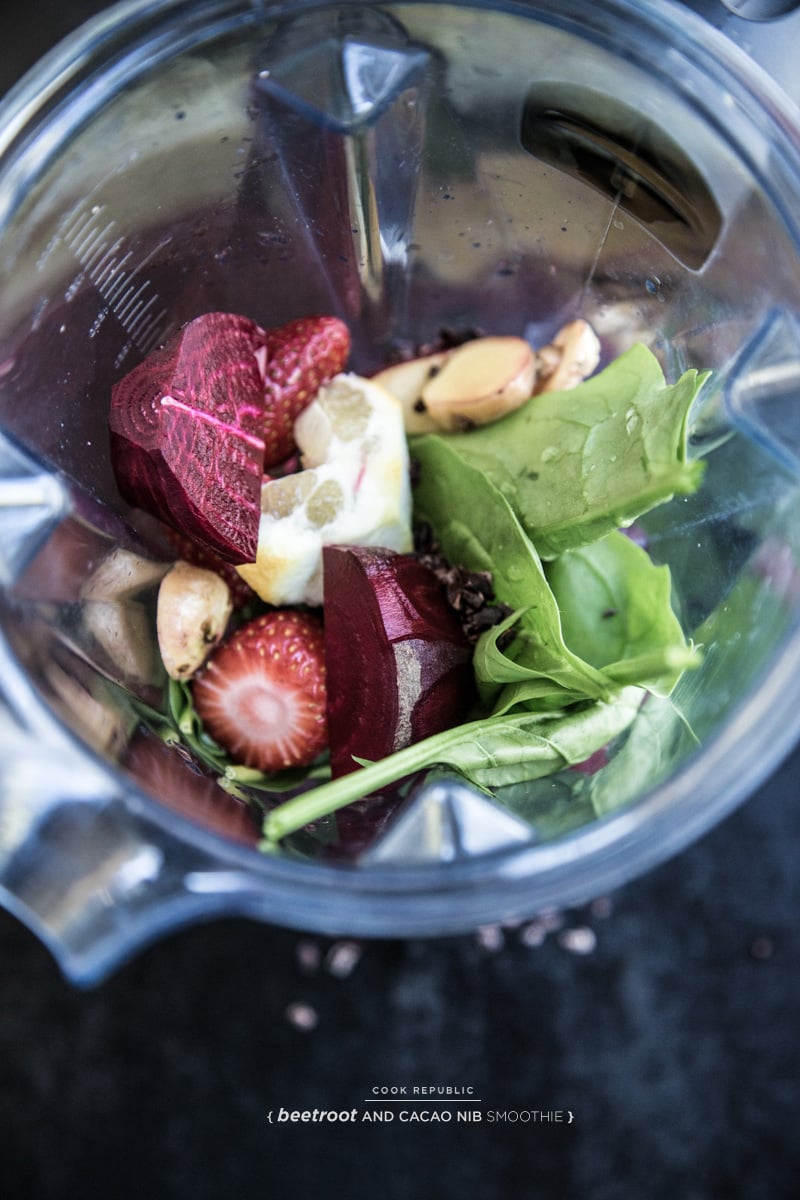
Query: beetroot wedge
186,433
399,667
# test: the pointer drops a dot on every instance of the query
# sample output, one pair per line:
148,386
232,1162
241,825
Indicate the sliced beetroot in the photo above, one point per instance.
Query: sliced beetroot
594,763
399,666
186,433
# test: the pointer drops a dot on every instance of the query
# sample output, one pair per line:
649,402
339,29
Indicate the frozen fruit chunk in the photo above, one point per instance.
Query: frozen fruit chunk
572,356
480,382
474,384
355,489
406,381
192,613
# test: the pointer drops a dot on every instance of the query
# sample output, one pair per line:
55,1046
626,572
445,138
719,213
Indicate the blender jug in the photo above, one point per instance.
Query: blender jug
410,168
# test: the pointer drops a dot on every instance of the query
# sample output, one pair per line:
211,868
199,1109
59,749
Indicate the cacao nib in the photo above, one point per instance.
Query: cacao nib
470,594
448,338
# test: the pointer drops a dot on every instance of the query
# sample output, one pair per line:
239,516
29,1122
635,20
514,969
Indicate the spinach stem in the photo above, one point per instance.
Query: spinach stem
321,801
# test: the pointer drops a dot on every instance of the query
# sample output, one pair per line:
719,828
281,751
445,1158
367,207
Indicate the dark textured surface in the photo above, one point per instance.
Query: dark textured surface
673,1041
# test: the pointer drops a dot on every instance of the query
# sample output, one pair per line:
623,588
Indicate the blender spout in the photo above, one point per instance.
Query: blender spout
763,386
93,879
32,503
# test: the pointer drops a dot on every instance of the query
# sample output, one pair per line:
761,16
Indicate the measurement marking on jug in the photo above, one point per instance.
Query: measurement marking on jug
141,328
120,300
119,279
128,311
106,265
73,234
99,249
88,244
88,232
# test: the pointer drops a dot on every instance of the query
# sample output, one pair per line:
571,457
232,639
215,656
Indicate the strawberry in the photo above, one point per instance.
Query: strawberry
203,556
301,355
262,693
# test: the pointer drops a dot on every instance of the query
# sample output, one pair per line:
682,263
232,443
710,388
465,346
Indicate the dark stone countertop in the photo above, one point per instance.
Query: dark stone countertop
664,1018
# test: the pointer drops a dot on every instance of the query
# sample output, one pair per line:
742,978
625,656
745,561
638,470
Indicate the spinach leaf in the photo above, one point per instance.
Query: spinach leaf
477,529
516,670
616,613
507,750
575,465
492,753
565,649
656,741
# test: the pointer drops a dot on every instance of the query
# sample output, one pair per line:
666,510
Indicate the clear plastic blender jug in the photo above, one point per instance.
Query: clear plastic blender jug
409,168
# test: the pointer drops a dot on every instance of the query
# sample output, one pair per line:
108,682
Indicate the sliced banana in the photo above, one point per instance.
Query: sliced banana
571,357
193,610
121,575
354,489
481,381
121,641
474,384
406,381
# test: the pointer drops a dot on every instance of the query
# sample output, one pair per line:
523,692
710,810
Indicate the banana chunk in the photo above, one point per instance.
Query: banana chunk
473,384
193,609
354,490
572,356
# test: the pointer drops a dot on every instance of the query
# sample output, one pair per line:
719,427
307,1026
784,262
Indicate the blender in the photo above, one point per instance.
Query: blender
407,167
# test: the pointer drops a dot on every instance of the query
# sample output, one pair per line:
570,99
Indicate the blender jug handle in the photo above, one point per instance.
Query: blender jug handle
84,863
92,875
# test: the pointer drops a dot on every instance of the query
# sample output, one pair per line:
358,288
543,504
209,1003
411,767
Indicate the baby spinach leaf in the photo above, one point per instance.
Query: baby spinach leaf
656,741
575,465
590,622
616,613
523,685
477,529
508,750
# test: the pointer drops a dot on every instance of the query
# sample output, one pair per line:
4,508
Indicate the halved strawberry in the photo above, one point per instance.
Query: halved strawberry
262,694
302,355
